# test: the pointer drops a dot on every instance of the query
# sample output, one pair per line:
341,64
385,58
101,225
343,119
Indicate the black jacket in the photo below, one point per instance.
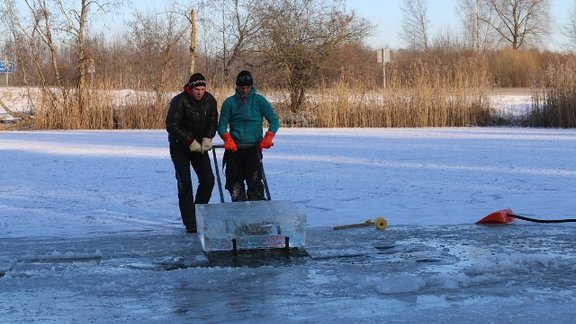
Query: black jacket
188,119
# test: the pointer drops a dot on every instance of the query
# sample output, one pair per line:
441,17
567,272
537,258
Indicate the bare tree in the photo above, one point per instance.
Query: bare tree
415,24
243,31
41,34
445,40
189,13
570,29
156,42
223,29
13,22
519,21
236,25
192,47
76,21
301,38
52,33
478,34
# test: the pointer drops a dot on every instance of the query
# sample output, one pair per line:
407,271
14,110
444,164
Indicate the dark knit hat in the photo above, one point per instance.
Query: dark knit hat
196,80
244,79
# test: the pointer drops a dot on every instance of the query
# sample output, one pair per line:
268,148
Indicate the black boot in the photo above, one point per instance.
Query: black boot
190,222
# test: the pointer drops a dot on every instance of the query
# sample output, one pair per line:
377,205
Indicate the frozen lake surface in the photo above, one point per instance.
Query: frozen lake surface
90,230
445,273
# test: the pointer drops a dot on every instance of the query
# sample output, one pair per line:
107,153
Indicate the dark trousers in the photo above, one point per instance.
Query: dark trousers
244,166
182,159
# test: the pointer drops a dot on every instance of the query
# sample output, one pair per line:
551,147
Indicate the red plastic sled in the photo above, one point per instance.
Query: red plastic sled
505,216
501,216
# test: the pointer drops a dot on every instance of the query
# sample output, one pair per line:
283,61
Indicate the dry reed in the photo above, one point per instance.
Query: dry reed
437,96
555,104
430,93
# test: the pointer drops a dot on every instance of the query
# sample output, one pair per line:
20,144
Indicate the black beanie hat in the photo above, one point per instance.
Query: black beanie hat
196,80
244,79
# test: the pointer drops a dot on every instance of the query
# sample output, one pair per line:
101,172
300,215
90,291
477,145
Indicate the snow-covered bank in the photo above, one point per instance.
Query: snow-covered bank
509,103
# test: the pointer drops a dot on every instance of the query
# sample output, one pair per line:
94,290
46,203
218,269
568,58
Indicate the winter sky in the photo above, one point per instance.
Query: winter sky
387,17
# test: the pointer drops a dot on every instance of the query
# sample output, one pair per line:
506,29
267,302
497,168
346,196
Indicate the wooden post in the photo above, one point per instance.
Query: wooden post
192,41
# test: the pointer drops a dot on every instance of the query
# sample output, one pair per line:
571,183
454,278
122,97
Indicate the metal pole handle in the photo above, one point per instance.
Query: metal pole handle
264,181
218,175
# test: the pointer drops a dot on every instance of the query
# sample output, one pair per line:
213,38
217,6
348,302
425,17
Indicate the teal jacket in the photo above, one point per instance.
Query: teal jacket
243,120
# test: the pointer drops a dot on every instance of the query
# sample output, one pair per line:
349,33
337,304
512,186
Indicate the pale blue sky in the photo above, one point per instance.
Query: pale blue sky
386,15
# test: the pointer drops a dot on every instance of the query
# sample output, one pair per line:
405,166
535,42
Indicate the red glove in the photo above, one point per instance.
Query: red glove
229,143
266,142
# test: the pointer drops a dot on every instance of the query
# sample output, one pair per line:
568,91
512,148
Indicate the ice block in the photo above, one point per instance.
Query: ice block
261,224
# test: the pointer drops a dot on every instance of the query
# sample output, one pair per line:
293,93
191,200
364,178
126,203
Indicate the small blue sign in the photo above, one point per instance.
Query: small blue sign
6,67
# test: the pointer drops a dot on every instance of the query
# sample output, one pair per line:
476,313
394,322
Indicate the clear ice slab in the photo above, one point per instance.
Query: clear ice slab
251,225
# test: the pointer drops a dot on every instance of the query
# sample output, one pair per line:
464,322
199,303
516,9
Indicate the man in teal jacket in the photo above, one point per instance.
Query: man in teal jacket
240,126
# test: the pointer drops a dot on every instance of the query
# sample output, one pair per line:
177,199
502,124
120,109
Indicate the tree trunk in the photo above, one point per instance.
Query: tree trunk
82,61
192,41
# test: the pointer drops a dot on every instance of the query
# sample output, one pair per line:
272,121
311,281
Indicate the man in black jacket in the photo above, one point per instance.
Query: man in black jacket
191,124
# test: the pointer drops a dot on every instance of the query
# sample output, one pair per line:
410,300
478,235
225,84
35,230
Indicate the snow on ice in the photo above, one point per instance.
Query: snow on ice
90,231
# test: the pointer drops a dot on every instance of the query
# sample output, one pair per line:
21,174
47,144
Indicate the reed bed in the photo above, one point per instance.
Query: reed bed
555,104
430,93
434,97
